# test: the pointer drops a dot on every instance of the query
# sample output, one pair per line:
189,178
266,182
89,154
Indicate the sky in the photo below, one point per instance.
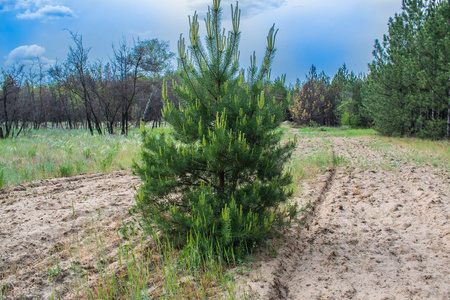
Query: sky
326,33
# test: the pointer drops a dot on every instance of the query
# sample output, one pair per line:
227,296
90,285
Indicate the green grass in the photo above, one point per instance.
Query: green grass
53,153
337,131
417,151
148,267
412,150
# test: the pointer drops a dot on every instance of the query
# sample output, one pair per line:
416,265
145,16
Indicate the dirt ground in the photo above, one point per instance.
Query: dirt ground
378,228
49,226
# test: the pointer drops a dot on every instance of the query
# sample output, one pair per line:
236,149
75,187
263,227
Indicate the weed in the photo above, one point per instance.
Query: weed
65,171
2,179
32,151
106,162
53,272
338,160
87,153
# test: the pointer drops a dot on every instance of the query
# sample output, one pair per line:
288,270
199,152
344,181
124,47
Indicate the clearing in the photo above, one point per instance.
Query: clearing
377,227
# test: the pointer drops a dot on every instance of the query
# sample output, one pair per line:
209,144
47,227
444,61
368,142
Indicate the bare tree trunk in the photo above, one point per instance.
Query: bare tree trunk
5,113
88,117
123,121
147,108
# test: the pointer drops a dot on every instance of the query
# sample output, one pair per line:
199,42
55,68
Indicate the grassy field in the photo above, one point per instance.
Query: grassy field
55,153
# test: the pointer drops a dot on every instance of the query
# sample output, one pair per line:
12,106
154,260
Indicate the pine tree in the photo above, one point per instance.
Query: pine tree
433,48
220,174
345,89
408,89
391,78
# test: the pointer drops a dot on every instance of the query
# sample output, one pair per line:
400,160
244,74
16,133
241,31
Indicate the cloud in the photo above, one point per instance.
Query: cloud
48,12
26,55
8,5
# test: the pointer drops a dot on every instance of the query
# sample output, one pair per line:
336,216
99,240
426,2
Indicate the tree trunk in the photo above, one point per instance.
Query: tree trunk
222,181
123,121
147,109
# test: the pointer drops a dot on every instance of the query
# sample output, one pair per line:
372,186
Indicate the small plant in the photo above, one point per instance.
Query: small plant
127,230
32,151
87,153
338,160
2,179
53,272
65,171
106,162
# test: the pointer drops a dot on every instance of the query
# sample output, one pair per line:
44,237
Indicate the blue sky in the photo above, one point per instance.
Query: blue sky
326,33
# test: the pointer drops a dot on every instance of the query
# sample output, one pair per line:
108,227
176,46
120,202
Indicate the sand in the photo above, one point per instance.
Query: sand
379,229
53,223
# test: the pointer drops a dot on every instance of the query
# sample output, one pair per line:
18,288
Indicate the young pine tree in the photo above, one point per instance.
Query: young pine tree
219,174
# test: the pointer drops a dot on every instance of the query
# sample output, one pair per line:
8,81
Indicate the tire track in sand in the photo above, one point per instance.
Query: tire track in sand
280,288
377,231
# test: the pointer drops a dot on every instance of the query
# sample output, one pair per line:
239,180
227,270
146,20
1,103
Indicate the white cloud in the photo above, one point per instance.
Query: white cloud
22,4
26,55
7,5
48,12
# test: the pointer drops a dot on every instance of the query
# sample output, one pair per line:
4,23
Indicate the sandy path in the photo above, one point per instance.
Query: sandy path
376,232
50,223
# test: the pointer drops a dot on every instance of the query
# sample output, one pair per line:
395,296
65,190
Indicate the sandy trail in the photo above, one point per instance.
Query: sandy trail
379,230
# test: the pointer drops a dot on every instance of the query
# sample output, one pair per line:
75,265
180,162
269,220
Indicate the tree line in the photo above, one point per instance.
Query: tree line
407,89
103,97
319,101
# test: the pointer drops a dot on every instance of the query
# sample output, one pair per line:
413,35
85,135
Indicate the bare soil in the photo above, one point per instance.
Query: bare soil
378,228
50,229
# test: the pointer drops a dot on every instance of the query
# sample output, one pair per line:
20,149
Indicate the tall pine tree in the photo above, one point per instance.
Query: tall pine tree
407,90
220,172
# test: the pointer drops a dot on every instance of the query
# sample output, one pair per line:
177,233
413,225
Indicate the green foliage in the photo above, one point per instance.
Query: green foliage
407,90
346,90
65,171
220,174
